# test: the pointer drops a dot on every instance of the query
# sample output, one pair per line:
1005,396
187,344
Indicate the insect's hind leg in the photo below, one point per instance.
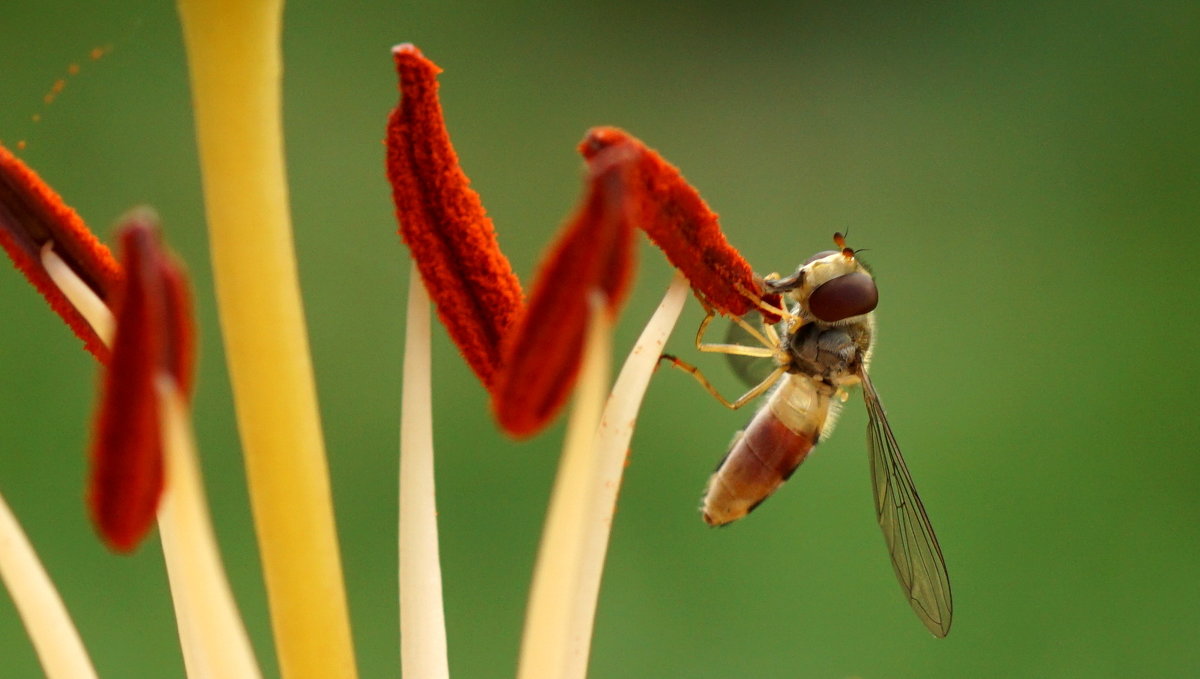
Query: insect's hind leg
745,398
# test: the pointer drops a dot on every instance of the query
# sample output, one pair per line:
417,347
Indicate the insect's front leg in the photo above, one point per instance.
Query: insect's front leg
770,282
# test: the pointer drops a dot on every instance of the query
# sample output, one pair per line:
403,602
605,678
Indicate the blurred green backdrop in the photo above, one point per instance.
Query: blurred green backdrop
1026,177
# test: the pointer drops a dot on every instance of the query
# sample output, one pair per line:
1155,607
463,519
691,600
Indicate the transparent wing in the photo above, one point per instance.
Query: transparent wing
916,555
750,370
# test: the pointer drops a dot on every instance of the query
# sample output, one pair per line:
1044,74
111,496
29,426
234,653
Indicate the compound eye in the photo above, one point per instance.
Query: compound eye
851,295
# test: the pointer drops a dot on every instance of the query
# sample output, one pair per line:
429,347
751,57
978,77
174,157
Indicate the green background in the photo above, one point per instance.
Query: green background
1025,175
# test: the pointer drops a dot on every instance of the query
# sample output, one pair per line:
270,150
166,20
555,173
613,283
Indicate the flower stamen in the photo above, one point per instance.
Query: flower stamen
677,219
32,215
83,298
443,222
153,340
541,358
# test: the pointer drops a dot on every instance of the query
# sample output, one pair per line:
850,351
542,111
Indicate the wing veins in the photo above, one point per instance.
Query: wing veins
916,556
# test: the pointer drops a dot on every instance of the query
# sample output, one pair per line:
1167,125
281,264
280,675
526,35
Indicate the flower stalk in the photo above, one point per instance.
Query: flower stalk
235,66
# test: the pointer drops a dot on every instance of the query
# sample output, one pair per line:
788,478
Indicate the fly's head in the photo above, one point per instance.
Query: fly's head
832,287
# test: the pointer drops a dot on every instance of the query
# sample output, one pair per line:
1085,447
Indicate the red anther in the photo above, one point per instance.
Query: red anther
677,219
127,468
444,224
154,339
528,356
593,255
31,215
179,325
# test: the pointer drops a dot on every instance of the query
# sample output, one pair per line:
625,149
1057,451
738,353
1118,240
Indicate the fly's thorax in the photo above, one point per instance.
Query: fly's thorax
832,354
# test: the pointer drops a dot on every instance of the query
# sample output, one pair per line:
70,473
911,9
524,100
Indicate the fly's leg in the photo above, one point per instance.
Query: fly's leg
767,350
762,304
772,347
745,398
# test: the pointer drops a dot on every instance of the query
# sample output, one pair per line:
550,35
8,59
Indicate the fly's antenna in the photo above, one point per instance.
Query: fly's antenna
840,240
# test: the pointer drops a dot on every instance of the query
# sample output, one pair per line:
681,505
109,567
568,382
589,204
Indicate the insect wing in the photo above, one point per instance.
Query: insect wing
750,370
916,556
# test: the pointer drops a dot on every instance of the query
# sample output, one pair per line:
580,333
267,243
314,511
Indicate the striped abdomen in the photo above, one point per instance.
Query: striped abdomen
771,447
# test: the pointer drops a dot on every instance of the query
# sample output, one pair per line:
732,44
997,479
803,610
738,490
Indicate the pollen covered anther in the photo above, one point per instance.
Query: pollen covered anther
594,254
443,222
153,343
528,354
32,215
679,222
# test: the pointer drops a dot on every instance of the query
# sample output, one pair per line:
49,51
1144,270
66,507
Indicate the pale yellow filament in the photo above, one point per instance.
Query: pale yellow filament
54,637
211,633
566,583
422,620
611,448
546,641
79,294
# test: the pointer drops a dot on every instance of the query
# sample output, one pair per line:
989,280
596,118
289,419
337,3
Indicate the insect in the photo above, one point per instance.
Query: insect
823,348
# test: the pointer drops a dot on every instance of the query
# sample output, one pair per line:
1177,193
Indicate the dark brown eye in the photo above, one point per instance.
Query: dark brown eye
843,297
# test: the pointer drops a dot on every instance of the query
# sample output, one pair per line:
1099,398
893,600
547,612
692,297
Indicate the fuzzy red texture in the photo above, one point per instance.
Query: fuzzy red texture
679,222
593,254
528,355
179,326
31,214
443,222
155,335
127,469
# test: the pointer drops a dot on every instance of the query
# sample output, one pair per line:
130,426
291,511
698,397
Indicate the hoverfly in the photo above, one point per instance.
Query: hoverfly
823,347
